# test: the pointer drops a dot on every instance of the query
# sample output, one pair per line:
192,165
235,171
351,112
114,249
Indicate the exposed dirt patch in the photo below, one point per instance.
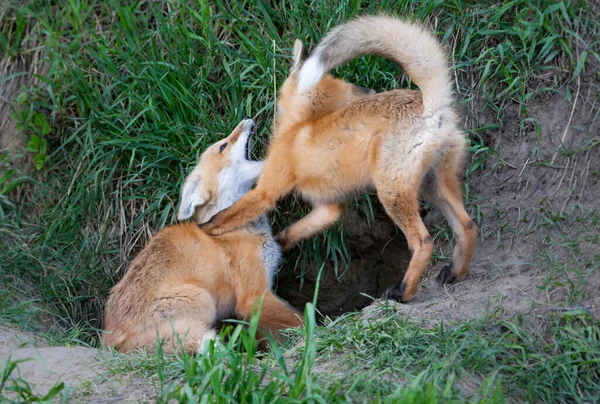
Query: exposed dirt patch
378,252
10,340
82,369
557,174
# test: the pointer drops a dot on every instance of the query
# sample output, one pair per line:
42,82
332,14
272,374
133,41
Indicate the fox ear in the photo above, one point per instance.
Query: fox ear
299,54
193,195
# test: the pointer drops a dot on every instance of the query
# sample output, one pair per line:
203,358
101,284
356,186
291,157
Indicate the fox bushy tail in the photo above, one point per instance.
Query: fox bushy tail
410,45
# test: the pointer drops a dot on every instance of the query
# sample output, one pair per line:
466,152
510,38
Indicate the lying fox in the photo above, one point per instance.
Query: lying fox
405,144
184,280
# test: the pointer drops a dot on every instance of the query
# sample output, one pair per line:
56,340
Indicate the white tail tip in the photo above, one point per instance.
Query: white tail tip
311,73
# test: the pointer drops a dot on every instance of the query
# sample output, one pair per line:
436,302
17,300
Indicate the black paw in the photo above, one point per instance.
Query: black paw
446,275
395,292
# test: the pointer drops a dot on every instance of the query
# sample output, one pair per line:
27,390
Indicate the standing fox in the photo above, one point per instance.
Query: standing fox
405,144
184,280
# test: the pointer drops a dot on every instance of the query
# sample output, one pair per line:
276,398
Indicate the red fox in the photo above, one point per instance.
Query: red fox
404,144
184,280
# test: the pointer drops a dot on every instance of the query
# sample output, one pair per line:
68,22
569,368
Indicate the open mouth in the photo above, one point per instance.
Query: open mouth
249,141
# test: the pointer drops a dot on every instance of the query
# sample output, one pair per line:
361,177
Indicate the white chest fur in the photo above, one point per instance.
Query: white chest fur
271,256
270,251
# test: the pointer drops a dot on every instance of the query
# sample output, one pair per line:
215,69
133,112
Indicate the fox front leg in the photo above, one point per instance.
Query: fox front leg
247,209
274,182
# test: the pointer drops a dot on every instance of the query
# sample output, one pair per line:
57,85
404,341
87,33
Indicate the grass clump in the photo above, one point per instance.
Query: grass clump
484,358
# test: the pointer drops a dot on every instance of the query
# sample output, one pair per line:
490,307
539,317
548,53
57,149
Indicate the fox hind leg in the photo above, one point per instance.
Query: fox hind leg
403,207
319,219
398,183
183,315
443,190
275,314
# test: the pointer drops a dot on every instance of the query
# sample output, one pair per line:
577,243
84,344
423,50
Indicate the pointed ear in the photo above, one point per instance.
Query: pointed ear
193,195
299,54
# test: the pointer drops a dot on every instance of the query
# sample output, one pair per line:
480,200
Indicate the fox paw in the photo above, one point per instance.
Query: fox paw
212,228
395,292
207,227
204,341
282,239
446,275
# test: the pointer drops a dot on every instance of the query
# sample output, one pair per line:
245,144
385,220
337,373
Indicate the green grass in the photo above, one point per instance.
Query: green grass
567,235
133,92
389,359
492,353
383,359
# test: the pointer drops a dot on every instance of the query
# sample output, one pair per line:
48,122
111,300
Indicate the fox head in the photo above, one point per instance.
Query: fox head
222,176
329,95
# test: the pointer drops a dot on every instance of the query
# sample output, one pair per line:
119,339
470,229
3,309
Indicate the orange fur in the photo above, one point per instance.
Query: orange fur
330,144
184,280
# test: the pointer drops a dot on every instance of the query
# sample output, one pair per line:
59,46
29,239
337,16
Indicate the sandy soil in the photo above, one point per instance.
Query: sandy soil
81,369
513,198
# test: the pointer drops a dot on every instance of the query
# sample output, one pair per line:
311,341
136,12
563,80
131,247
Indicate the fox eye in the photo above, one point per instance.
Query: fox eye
223,146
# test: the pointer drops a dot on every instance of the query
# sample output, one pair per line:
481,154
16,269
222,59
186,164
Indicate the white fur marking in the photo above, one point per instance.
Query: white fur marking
191,197
234,182
204,341
311,73
251,170
271,256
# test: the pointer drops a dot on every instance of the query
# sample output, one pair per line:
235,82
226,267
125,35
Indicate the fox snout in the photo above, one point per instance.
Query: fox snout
248,125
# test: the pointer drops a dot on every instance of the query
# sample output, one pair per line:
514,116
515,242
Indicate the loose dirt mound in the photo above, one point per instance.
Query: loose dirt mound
11,340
